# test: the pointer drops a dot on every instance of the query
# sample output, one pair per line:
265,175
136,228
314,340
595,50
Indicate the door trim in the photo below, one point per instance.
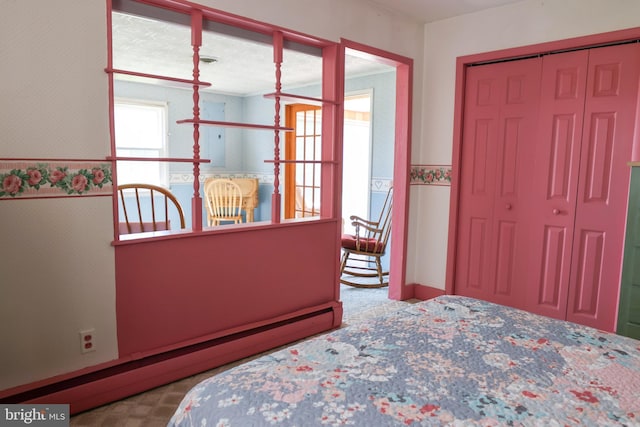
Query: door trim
402,150
462,63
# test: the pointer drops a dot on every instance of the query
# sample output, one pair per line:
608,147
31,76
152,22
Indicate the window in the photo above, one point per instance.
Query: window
302,197
141,129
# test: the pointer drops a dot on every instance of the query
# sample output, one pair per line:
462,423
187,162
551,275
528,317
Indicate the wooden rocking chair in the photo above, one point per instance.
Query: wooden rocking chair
361,252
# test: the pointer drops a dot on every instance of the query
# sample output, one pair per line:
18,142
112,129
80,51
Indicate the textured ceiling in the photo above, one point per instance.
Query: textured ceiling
245,67
241,66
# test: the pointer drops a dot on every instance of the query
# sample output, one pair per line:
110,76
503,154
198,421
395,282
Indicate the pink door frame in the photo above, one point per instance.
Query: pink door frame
461,64
402,150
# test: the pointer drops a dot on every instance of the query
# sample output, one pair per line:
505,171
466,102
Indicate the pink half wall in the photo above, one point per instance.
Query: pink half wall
173,292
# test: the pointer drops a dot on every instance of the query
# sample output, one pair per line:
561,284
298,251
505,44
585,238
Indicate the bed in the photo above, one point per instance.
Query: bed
448,361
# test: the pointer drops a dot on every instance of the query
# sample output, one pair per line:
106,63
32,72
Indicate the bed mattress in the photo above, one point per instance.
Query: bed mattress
448,361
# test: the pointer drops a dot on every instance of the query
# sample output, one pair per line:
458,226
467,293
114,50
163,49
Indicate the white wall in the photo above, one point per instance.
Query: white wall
520,24
56,259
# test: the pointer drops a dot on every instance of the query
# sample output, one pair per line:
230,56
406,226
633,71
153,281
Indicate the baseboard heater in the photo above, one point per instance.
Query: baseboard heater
107,385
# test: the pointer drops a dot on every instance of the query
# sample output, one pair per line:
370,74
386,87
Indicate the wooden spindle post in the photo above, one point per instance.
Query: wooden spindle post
277,59
196,42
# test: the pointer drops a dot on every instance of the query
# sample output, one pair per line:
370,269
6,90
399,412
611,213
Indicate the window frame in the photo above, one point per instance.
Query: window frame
297,204
163,151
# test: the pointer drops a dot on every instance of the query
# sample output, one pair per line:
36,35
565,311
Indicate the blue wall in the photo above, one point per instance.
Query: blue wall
245,150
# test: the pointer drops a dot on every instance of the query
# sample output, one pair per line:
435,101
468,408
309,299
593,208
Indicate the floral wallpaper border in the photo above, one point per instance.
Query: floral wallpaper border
46,178
430,174
377,184
187,177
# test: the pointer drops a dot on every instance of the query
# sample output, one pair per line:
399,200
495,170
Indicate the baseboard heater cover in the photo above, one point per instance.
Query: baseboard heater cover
117,382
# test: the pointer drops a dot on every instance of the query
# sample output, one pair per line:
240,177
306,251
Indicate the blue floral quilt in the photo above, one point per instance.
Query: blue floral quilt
448,361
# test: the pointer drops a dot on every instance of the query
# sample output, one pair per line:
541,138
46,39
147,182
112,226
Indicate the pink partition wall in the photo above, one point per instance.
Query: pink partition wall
171,293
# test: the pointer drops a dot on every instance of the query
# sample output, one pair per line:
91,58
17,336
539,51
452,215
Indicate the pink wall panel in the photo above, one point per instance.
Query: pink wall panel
173,291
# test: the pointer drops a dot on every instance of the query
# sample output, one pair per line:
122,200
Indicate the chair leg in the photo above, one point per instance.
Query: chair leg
379,267
343,263
380,274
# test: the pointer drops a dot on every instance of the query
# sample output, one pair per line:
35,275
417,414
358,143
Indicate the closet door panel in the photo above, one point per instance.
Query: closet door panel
475,255
610,115
506,262
477,181
498,138
513,177
553,195
558,179
589,271
550,293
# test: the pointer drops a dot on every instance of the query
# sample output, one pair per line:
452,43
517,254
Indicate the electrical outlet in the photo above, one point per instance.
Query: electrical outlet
87,340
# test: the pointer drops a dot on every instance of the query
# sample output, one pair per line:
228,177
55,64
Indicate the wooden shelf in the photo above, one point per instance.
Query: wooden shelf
295,98
158,159
235,125
179,82
332,162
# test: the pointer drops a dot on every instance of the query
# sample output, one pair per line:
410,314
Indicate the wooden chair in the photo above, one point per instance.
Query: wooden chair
223,198
361,252
148,218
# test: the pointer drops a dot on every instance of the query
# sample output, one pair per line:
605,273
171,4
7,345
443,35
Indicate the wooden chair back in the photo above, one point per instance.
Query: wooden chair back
223,198
372,236
146,207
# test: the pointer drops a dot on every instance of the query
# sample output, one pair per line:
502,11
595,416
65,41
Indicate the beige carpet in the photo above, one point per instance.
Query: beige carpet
155,407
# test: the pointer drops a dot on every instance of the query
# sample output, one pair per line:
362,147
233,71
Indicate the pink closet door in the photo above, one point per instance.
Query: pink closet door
544,182
498,138
603,186
555,182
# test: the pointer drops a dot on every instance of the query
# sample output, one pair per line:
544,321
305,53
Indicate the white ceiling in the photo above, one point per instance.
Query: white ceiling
244,67
241,67
435,10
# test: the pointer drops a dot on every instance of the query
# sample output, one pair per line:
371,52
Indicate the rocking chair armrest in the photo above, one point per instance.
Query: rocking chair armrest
356,218
367,227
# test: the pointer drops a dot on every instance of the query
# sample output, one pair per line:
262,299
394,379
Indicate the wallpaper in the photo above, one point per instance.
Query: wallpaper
430,174
46,178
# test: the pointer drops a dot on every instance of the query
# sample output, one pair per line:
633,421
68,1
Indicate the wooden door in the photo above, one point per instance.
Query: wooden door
498,138
304,147
555,182
603,186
